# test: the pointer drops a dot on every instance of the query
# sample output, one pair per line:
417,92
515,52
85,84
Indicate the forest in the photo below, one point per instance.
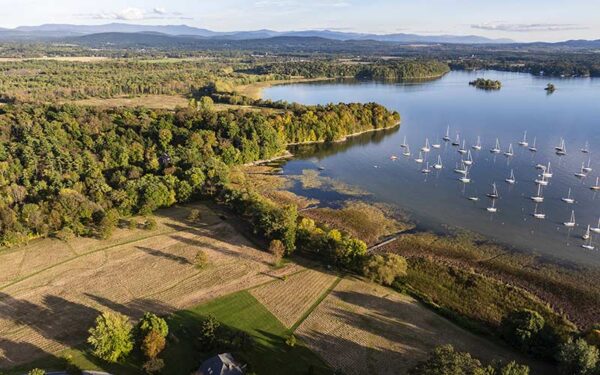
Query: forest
70,170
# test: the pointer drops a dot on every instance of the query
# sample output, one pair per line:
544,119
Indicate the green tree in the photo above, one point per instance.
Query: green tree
152,344
384,269
111,338
151,322
36,371
276,249
208,332
521,328
446,361
201,259
578,358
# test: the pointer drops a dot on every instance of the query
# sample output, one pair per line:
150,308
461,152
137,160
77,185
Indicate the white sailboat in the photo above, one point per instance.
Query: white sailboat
568,199
469,160
597,185
404,144
477,146
436,145
426,147
456,141
533,148
496,149
426,169
509,152
473,199
493,208
571,222
562,150
588,245
588,168
462,150
547,173
587,235
541,181
419,159
585,148
446,137
538,215
581,173
465,179
494,194
538,197
438,165
406,151
524,142
511,179
561,145
540,166
462,169
596,229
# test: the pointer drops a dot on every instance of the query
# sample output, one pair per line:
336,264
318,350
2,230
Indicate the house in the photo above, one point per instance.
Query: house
222,364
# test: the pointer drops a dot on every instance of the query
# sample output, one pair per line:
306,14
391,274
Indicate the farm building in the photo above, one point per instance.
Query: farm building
222,364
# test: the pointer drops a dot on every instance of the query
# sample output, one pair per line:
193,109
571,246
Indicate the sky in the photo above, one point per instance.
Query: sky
520,20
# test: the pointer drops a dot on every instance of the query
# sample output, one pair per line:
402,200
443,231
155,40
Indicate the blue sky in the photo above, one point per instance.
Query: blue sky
523,20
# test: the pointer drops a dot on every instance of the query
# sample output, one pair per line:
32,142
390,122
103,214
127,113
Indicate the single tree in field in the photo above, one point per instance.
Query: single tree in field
277,249
384,269
201,259
111,338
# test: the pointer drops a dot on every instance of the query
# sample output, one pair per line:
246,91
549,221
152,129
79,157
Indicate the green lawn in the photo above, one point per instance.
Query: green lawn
268,354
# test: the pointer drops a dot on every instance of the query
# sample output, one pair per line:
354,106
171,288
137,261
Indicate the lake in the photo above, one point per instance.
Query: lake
438,199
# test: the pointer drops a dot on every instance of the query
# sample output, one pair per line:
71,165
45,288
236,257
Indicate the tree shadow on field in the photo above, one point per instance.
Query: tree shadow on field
14,353
162,254
134,308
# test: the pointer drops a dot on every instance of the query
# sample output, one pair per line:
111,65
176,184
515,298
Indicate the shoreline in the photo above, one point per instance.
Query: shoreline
346,137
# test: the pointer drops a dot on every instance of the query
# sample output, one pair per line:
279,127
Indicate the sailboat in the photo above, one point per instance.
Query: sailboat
477,146
404,144
571,222
538,215
587,235
547,173
496,149
510,152
524,142
596,229
426,169
426,147
436,145
462,169
588,245
438,165
562,150
540,166
420,158
511,179
494,194
538,197
446,137
581,173
561,145
406,151
465,179
533,148
456,141
588,168
543,181
597,185
473,199
585,148
462,150
469,160
568,199
493,208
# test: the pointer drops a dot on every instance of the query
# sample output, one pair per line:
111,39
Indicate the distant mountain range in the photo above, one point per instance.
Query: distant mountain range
66,30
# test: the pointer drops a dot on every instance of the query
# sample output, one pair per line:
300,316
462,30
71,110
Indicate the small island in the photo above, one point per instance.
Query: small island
550,88
486,84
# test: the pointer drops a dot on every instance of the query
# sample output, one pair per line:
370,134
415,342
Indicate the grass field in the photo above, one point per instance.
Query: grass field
50,291
362,328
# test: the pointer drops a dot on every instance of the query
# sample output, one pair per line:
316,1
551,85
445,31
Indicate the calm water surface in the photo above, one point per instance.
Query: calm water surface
427,108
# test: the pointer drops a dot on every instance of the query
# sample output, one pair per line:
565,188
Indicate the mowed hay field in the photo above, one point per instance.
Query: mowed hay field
288,299
51,291
363,328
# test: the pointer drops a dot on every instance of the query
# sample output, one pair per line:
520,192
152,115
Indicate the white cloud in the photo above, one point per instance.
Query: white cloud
136,14
527,27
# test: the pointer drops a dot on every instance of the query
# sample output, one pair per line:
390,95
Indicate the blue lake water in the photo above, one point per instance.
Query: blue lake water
438,199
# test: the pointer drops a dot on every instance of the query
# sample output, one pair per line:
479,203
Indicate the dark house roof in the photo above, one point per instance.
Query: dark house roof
222,364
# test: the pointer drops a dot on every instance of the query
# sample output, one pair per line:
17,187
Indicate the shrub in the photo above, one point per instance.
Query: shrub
111,338
521,328
384,269
578,358
150,224
151,322
65,234
277,249
36,371
208,332
153,344
194,215
132,224
154,366
290,341
201,259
